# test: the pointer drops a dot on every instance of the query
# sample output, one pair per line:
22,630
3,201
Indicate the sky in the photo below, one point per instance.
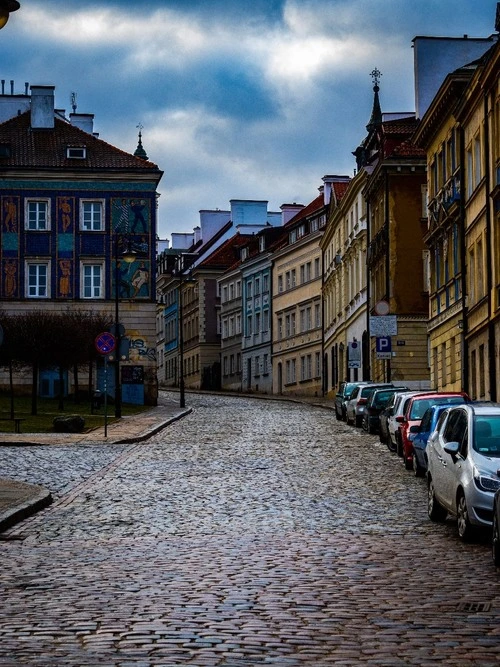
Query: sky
237,99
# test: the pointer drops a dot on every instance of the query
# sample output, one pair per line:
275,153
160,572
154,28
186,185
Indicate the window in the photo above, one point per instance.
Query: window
257,323
265,320
37,215
265,364
257,286
91,215
280,283
257,366
280,328
224,294
37,280
76,152
92,287
265,282
317,268
249,325
249,288
317,315
290,371
238,288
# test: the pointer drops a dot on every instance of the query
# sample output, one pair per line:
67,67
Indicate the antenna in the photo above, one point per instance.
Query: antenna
73,101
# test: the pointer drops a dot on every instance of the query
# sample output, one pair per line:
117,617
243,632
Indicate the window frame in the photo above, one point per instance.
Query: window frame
95,264
102,207
37,200
37,263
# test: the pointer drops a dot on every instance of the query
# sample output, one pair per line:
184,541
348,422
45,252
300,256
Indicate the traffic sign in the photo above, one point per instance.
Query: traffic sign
383,347
354,355
105,342
383,325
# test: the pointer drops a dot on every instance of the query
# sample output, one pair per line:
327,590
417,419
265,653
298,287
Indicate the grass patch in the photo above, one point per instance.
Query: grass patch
48,408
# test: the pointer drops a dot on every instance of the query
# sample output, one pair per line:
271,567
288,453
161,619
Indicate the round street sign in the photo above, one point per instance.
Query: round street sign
381,308
105,342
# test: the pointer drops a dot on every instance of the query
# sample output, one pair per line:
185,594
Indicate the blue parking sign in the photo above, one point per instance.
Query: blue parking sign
383,347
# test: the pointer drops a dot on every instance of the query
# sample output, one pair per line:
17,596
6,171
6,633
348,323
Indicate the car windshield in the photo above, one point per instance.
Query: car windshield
486,438
381,398
420,406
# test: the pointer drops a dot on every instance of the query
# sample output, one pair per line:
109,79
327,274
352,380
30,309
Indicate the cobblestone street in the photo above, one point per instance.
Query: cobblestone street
251,532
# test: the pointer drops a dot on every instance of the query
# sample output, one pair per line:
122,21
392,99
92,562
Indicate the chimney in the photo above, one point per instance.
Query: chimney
197,234
84,121
328,186
288,211
42,107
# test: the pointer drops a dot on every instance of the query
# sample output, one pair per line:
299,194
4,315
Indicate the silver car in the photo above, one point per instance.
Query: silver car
464,466
355,406
393,423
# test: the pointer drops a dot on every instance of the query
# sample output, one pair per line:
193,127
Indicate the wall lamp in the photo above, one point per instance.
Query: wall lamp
6,7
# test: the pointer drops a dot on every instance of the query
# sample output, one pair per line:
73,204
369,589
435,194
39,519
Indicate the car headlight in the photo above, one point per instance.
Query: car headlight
486,481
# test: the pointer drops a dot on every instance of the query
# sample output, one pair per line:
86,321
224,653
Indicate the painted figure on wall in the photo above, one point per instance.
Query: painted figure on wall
10,219
140,279
122,216
10,281
65,278
137,209
65,211
130,216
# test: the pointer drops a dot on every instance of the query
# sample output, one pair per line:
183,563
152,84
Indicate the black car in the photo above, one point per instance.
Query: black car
496,529
377,401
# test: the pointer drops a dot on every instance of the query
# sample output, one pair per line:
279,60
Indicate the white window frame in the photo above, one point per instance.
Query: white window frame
36,201
101,204
100,287
37,292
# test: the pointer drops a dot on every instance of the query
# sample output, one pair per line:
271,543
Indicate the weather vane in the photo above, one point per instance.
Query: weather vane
140,126
376,74
73,102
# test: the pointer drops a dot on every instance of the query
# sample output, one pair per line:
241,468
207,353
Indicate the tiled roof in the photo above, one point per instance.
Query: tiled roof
308,210
400,126
46,148
408,149
227,254
340,188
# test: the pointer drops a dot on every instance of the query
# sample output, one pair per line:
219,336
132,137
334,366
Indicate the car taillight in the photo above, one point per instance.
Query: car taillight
362,401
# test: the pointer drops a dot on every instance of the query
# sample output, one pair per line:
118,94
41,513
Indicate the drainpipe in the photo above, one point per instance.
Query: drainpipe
465,346
489,289
367,352
387,262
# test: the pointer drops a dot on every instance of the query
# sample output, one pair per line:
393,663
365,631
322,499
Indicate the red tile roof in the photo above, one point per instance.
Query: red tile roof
46,148
308,210
228,253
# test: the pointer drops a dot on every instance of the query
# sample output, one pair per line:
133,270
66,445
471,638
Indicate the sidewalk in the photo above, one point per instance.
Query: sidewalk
19,500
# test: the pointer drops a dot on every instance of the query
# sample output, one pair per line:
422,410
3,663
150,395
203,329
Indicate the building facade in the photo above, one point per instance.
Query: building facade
71,204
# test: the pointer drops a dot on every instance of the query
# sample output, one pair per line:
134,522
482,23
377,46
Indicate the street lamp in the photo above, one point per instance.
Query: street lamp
6,7
187,281
128,255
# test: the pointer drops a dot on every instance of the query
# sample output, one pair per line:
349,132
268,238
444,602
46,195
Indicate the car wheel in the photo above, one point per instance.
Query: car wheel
339,417
358,421
408,462
435,511
382,437
466,530
417,468
496,540
399,445
390,444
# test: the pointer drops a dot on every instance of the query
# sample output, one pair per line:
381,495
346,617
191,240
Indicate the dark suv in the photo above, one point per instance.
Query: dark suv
376,402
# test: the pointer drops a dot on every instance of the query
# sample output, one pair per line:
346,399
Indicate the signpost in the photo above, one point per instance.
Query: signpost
354,355
383,325
105,343
383,347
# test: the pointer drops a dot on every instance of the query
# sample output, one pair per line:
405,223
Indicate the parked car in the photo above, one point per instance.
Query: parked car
421,435
342,396
394,424
414,412
463,461
376,402
496,529
355,406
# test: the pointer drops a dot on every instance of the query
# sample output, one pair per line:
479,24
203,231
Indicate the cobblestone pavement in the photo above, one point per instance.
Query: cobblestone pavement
249,533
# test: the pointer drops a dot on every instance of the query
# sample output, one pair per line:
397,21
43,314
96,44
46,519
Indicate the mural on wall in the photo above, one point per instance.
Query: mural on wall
65,211
10,222
134,279
131,223
64,278
65,214
10,217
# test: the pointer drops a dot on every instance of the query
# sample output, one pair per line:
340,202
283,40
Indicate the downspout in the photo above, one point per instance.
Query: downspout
465,347
367,353
324,378
489,273
387,261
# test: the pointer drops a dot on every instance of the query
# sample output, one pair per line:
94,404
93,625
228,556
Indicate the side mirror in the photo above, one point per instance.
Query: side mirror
414,429
400,419
452,448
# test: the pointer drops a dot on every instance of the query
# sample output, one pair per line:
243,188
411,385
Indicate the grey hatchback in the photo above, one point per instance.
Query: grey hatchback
355,406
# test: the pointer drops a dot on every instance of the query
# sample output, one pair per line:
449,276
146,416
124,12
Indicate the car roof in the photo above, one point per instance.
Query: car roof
493,409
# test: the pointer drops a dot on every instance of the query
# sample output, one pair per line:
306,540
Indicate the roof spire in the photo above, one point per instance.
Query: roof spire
139,151
376,117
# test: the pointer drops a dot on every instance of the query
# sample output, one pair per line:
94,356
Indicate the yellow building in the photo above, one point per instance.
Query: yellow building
460,132
344,288
297,317
476,114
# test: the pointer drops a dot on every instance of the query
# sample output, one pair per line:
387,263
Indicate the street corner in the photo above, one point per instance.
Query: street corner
19,500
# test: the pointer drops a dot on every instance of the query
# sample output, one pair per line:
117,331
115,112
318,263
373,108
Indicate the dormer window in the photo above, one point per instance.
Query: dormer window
244,253
262,243
76,152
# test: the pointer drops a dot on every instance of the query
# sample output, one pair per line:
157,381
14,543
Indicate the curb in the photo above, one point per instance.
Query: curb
34,499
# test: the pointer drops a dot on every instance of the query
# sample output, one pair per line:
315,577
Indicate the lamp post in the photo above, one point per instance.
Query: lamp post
128,255
183,281
6,7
